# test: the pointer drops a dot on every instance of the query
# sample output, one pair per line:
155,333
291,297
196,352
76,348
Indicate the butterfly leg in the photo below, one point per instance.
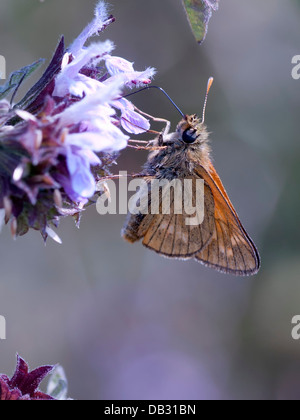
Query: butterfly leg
167,123
150,148
112,177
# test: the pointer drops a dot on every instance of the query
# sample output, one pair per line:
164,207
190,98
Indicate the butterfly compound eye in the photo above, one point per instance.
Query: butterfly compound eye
189,136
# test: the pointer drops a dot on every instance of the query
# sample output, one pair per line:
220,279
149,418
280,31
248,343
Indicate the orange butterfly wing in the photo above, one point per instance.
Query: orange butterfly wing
169,234
230,250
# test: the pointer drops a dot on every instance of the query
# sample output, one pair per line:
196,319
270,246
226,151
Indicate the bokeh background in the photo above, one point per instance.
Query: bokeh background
124,322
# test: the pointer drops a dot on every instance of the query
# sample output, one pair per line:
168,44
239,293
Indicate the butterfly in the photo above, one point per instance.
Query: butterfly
220,241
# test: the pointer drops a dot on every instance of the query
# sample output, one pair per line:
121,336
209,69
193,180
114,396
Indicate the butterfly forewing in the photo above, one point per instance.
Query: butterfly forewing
230,250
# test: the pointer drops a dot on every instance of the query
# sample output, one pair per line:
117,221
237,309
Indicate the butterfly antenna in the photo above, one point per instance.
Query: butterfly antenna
209,85
164,92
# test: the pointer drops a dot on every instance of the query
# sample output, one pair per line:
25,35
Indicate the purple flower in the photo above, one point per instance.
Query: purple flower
100,22
83,184
131,121
24,384
118,66
65,133
71,81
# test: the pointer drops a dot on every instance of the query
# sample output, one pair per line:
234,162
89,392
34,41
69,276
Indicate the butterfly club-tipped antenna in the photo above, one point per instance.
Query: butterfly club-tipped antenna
163,91
209,85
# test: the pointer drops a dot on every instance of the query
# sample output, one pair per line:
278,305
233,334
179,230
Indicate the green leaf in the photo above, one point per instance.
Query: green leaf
199,13
16,78
58,384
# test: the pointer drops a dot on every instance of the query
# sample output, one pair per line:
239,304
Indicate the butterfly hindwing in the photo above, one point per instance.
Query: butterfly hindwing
170,234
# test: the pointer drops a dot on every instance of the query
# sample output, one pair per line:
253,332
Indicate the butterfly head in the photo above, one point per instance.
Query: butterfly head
191,130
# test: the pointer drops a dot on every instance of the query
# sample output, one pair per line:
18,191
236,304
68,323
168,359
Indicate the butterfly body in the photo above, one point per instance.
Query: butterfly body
220,241
179,158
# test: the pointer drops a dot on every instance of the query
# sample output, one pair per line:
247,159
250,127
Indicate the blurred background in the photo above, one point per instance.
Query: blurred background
122,321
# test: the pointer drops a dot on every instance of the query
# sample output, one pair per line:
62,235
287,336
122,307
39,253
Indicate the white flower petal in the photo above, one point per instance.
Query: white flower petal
109,140
18,173
96,26
50,232
134,123
93,110
117,65
83,85
123,104
26,116
133,79
70,72
2,219
65,61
